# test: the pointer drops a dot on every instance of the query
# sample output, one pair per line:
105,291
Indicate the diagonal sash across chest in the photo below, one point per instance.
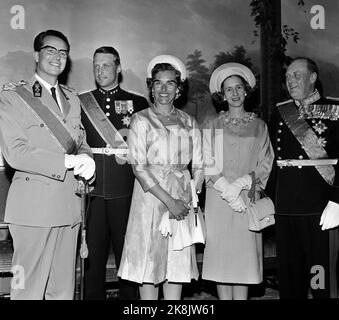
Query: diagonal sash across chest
101,123
307,139
54,124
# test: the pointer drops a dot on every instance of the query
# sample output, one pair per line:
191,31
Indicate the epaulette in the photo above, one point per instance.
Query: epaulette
63,86
136,93
284,102
86,91
333,98
11,86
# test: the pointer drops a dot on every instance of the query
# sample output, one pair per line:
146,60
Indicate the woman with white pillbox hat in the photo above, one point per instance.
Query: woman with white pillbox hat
158,248
237,155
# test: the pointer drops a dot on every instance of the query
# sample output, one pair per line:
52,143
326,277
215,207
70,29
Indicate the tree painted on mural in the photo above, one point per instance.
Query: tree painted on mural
238,54
263,19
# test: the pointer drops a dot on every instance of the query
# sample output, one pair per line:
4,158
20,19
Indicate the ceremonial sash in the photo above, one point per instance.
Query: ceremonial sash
100,122
56,127
307,139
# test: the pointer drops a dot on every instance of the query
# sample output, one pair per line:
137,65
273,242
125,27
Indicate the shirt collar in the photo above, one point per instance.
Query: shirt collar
46,84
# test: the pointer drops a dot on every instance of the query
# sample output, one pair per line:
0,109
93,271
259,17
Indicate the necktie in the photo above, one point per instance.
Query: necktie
54,97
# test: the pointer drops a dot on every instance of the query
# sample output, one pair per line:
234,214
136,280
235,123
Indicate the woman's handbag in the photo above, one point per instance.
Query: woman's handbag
260,214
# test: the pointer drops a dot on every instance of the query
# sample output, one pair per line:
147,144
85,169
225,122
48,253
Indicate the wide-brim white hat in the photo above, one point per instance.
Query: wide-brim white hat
172,60
230,69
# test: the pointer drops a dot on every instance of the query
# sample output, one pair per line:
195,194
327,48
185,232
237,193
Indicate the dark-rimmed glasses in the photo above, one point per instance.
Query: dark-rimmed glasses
52,51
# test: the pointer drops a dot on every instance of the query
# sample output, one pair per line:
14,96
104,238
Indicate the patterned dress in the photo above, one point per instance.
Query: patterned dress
233,254
160,150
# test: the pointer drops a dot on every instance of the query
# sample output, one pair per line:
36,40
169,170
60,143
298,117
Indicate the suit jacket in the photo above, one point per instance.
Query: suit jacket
113,180
302,191
42,192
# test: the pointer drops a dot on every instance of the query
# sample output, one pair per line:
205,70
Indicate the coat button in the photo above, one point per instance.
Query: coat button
108,114
278,139
278,148
279,131
42,125
58,176
27,178
108,106
279,158
281,123
301,157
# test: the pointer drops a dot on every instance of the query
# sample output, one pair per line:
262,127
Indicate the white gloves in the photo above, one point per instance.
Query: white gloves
233,190
233,199
165,225
83,165
238,205
330,216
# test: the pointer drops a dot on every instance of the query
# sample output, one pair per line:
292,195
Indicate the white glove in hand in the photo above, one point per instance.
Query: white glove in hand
330,216
165,225
238,205
83,165
233,190
221,184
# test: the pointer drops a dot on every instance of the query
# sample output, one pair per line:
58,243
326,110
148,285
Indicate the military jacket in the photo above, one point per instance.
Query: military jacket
113,179
302,190
43,191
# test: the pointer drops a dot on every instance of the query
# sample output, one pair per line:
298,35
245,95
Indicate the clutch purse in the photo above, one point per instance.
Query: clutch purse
260,214
197,220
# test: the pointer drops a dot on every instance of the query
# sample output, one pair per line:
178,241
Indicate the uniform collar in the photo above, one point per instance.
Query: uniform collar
313,97
109,92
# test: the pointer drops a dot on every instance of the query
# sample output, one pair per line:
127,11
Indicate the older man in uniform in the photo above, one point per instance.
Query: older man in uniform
305,135
42,138
106,117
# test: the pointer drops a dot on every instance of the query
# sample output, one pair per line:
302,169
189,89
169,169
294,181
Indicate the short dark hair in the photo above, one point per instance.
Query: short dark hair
39,39
111,50
165,67
218,97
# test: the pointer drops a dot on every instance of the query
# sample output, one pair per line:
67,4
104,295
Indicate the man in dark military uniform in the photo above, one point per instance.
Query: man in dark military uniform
305,135
106,116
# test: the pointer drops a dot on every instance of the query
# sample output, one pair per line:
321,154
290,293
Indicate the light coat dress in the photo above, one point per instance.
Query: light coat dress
233,254
160,154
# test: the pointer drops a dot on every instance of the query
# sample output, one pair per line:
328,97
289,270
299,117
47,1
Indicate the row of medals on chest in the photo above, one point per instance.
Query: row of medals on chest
122,107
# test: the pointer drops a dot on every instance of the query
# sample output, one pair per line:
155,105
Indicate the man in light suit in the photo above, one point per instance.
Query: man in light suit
42,138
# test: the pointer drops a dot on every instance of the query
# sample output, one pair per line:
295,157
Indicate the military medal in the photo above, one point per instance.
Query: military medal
117,105
319,127
126,120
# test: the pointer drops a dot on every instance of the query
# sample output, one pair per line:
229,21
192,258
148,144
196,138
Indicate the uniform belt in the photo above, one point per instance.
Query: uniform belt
306,162
110,151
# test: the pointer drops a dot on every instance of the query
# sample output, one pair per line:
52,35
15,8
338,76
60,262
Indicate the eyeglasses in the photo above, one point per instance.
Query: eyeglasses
54,51
169,84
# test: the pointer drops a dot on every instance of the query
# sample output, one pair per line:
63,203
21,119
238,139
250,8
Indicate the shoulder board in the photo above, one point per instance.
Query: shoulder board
284,102
333,98
136,93
11,86
69,89
86,91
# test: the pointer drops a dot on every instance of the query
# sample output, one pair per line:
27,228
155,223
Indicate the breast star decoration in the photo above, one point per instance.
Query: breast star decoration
319,127
126,120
